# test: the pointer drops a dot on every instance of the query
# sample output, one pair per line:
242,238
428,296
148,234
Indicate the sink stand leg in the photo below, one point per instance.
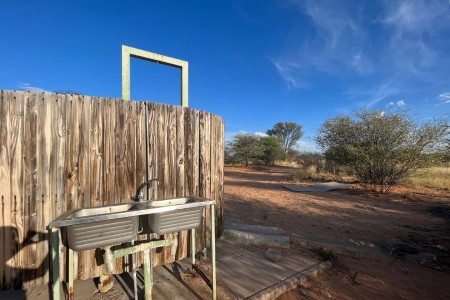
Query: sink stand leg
193,245
70,274
213,250
55,263
147,276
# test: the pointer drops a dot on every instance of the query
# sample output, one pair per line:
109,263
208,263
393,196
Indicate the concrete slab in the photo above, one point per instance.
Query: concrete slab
251,272
246,234
319,187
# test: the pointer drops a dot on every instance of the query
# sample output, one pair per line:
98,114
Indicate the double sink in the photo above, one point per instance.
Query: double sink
97,227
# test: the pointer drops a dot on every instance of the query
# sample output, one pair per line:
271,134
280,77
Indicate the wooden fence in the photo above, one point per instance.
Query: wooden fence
59,152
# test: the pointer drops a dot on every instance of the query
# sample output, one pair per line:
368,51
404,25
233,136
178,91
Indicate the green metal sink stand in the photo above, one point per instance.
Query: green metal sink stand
64,221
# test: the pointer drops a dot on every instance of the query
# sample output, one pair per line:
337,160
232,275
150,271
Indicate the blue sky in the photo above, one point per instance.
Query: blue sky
254,63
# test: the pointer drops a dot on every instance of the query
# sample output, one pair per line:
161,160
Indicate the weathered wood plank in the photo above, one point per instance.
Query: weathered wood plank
180,176
131,150
44,207
163,166
221,162
120,144
96,152
109,158
73,119
206,169
202,177
152,143
84,173
59,153
5,194
171,164
196,167
172,151
214,158
142,112
184,244
30,189
97,170
15,143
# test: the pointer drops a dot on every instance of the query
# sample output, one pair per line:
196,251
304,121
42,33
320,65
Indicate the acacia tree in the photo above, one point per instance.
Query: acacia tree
245,148
271,149
287,133
381,148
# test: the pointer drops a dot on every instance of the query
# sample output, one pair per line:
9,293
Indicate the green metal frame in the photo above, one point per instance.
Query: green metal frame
128,52
145,247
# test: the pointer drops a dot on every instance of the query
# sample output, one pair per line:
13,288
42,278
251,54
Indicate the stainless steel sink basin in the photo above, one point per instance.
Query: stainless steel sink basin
97,234
96,227
177,219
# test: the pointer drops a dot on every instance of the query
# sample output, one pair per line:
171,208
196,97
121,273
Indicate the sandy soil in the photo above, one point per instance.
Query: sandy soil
359,227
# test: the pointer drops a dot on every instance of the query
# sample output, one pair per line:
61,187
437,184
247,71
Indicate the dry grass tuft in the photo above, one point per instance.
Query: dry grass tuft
312,174
436,177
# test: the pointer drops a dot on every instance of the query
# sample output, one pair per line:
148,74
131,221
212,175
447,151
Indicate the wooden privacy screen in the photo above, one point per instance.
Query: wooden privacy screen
59,152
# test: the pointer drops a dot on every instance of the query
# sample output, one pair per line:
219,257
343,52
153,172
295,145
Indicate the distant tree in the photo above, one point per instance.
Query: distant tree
380,148
271,149
287,133
245,148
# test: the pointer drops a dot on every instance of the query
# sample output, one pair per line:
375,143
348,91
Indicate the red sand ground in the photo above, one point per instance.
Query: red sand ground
352,223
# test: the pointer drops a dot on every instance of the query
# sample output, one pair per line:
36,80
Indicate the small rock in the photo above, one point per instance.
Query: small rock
273,255
442,248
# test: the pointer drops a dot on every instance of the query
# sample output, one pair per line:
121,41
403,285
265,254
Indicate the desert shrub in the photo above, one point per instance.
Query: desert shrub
247,148
244,148
327,254
271,149
380,149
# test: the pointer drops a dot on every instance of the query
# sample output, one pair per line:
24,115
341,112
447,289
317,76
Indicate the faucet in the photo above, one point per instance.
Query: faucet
140,191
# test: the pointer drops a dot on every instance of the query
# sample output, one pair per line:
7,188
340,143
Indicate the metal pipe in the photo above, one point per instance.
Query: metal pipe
213,250
148,280
70,275
193,245
133,269
55,263
108,258
150,254
141,247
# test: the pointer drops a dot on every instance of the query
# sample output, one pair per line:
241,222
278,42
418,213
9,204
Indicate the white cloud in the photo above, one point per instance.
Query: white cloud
399,103
28,87
258,133
444,98
373,95
287,71
378,51
229,135
339,44
415,28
